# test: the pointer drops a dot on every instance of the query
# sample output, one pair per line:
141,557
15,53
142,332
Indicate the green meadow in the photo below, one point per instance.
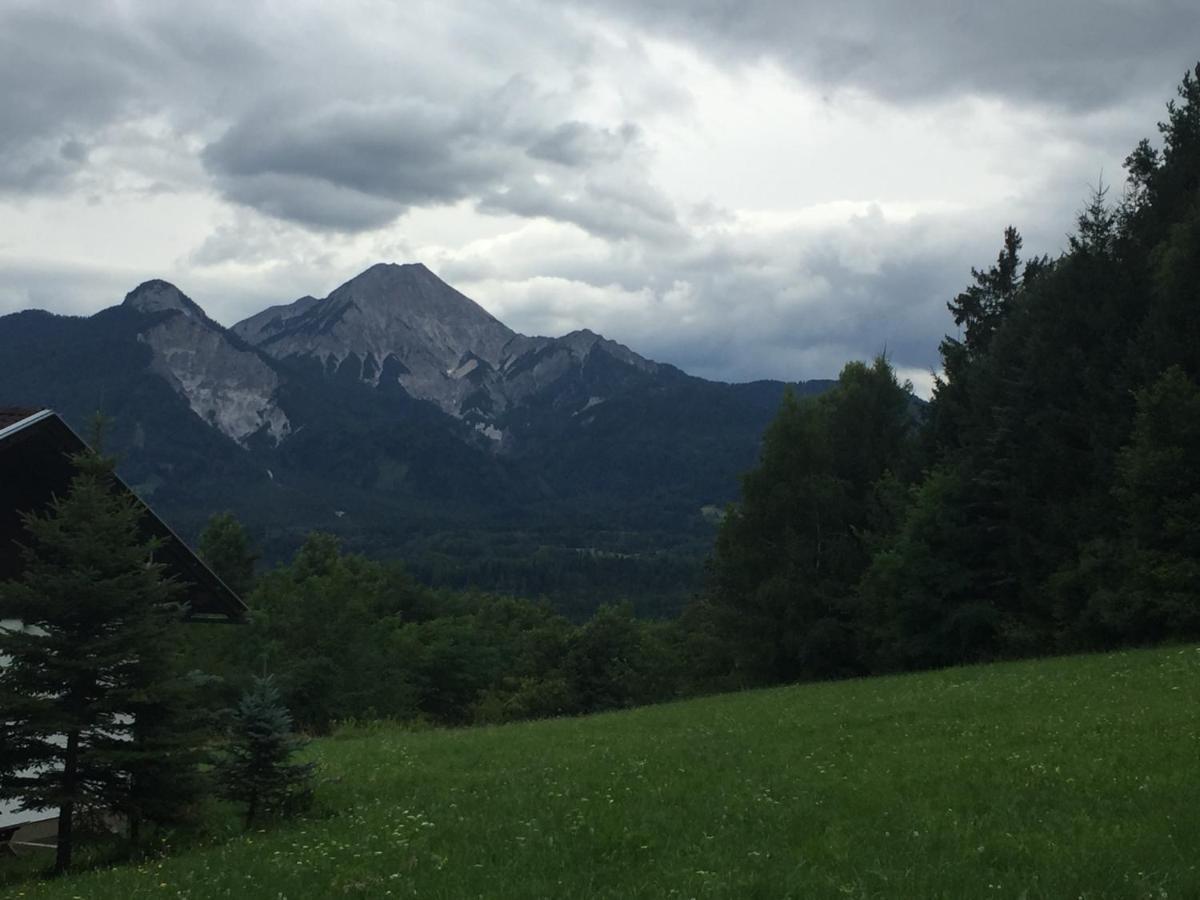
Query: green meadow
1064,778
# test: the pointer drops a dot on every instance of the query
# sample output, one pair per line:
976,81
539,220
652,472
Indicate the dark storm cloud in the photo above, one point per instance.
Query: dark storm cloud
1080,54
354,167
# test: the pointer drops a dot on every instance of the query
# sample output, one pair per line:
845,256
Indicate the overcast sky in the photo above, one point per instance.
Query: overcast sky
743,188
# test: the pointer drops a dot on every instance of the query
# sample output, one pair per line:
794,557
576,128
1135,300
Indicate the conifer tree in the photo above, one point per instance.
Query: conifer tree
226,548
980,308
257,769
90,696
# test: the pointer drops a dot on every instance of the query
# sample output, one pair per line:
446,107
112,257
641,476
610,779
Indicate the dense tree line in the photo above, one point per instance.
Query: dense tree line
352,638
657,573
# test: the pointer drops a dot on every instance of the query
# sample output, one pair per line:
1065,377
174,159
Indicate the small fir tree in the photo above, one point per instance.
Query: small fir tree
257,769
91,695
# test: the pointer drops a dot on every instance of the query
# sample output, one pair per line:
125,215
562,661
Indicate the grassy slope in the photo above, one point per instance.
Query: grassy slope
1065,778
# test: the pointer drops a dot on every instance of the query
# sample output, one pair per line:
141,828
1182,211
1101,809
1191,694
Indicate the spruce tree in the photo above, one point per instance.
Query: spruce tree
90,696
257,769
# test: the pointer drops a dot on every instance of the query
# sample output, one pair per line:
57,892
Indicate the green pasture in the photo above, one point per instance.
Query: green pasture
1064,778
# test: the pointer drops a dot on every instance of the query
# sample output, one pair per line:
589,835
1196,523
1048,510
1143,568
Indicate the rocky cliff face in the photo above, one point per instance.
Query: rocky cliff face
230,387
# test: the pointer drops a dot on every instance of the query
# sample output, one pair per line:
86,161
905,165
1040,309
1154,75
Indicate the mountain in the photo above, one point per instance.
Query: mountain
401,415
402,325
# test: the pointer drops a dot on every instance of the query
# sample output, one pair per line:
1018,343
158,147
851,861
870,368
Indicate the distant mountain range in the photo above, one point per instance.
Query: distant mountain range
400,414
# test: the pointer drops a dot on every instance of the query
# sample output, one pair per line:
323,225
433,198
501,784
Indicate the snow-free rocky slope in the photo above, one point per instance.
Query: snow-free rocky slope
393,410
230,387
401,324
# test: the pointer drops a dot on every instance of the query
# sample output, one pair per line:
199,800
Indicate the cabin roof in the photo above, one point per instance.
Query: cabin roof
11,415
35,446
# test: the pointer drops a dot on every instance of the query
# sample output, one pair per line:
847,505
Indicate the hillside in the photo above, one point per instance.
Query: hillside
1060,778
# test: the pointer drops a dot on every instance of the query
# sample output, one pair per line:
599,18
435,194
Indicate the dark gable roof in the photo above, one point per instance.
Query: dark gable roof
10,415
34,466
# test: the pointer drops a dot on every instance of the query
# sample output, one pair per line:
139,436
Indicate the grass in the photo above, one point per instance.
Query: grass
1066,778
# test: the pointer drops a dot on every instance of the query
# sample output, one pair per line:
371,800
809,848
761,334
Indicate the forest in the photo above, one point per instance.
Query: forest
1046,500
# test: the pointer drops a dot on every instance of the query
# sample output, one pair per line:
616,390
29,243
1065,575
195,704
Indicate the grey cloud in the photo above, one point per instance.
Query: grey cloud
599,206
578,143
358,167
410,153
60,69
48,93
74,151
1076,54
249,240
352,168
310,201
34,167
71,73
791,304
416,134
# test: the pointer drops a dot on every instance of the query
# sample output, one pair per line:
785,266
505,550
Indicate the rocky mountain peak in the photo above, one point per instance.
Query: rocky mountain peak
400,323
391,270
386,309
391,321
583,341
157,295
411,294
